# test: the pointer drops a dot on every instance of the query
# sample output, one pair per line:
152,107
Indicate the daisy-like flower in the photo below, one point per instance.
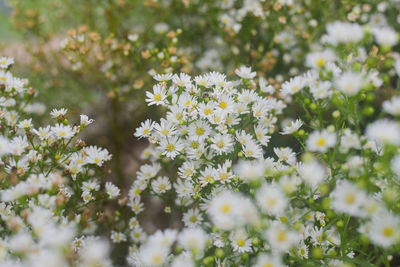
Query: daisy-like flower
320,58
393,106
285,154
385,229
157,97
348,198
147,171
145,129
112,191
192,218
117,237
171,147
96,155
313,173
61,131
85,121
280,238
249,170
240,241
25,124
320,141
292,127
163,77
293,86
199,130
222,143
271,199
161,185
384,131
208,175
350,83
5,62
193,239
55,113
266,260
245,72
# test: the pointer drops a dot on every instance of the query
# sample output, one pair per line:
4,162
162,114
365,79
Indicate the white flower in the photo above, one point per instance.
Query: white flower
312,173
161,185
249,170
292,127
111,190
285,154
193,239
343,32
393,106
280,238
271,199
222,143
25,124
158,96
192,218
319,59
171,147
55,113
384,131
145,129
5,62
85,121
350,83
96,155
264,260
245,73
385,36
320,141
348,198
385,229
240,241
293,86
61,131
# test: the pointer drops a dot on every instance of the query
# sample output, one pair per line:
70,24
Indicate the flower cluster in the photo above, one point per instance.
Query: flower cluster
246,200
49,178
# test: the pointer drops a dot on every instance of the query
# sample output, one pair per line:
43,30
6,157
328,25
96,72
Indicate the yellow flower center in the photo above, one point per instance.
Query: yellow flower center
170,147
146,131
320,62
223,105
240,242
157,97
225,208
207,111
199,131
387,231
350,199
281,237
321,141
220,144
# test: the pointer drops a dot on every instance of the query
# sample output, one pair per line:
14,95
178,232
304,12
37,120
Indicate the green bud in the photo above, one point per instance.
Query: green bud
307,101
65,122
340,223
384,49
313,106
326,203
301,132
245,256
390,195
324,188
370,97
219,253
368,111
317,252
336,114
240,154
255,241
208,260
231,130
